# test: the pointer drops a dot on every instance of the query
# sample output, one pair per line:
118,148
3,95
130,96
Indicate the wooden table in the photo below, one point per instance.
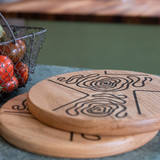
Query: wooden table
114,11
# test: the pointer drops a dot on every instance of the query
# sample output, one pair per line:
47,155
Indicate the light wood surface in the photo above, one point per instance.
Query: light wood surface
119,11
103,102
19,128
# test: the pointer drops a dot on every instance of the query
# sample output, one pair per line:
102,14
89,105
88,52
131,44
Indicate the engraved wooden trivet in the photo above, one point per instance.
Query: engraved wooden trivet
25,132
103,102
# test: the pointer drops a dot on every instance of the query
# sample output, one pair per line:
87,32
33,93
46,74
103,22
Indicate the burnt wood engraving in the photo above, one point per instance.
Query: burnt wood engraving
19,108
86,137
103,94
107,83
137,99
101,105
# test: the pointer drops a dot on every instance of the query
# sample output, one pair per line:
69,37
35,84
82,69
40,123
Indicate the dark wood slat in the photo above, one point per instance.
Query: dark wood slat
117,11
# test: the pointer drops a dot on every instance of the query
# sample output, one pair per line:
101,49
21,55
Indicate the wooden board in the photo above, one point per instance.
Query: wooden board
117,11
20,129
103,102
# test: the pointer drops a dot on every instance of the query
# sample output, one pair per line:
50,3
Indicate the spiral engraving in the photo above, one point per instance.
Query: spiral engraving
98,83
106,98
101,105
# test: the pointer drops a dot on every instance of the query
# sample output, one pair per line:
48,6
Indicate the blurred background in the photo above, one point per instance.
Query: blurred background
98,45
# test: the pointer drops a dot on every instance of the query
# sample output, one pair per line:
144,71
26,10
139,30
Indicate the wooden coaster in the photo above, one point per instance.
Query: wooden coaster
103,102
22,130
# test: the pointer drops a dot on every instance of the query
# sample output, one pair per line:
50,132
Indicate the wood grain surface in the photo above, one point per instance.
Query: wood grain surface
103,102
119,11
19,128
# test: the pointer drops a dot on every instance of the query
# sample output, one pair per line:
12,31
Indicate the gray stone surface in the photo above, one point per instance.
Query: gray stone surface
150,151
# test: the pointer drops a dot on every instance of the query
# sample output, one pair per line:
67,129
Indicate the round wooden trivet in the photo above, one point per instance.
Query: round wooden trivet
22,130
103,102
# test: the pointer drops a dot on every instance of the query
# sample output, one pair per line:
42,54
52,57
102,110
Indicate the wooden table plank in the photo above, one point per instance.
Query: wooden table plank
117,11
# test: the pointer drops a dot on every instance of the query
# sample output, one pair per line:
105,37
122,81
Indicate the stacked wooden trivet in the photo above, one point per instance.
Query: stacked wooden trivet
85,114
